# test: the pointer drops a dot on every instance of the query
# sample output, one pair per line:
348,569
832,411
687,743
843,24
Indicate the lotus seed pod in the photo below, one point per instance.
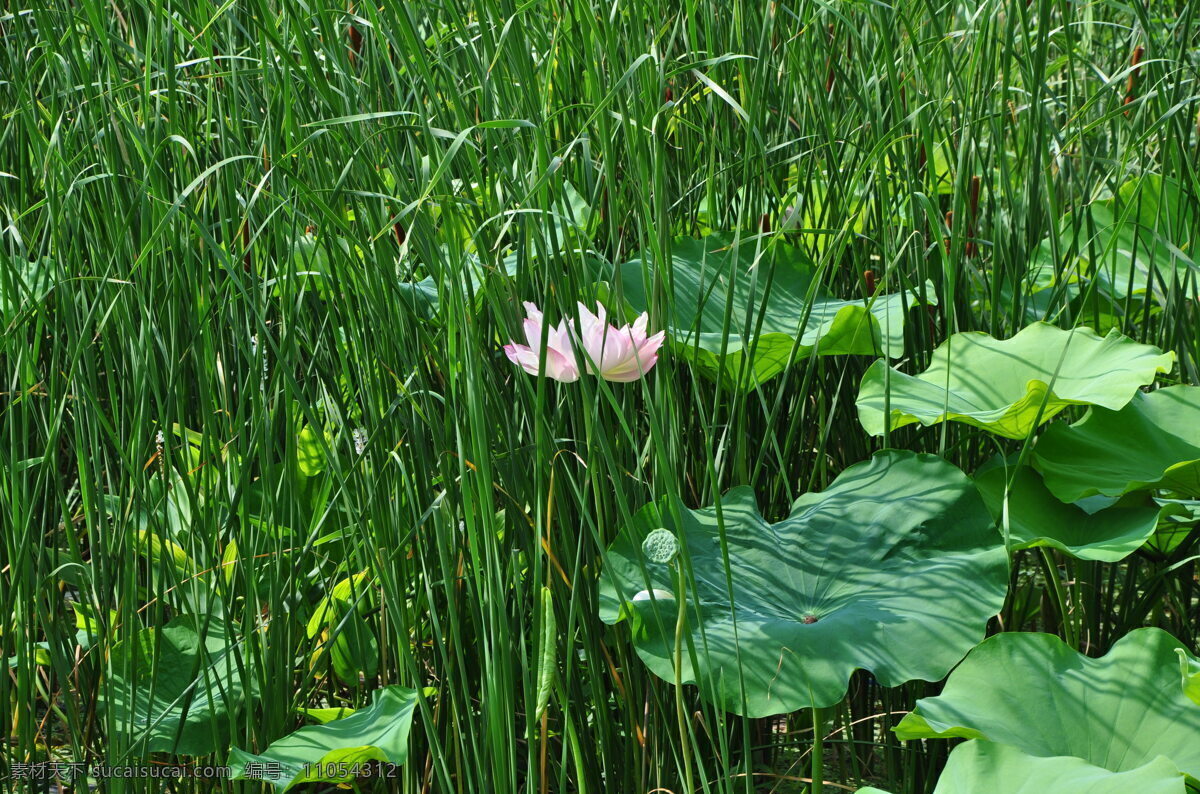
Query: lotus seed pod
660,546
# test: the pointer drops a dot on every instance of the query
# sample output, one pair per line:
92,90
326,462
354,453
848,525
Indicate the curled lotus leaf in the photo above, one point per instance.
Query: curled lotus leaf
1036,518
1007,386
1151,443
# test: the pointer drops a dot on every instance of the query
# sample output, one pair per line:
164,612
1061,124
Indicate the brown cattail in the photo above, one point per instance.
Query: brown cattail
401,236
869,277
668,94
1136,60
764,224
355,42
1131,83
972,217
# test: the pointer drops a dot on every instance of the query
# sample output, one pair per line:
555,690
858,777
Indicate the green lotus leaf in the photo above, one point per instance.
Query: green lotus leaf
322,264
176,689
1036,518
310,451
1035,693
1138,240
424,298
778,286
24,283
1043,292
324,715
313,753
1000,385
347,638
569,225
999,769
1151,443
1190,671
894,568
1177,519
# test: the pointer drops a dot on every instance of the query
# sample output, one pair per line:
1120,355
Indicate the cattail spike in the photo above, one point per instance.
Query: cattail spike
869,278
1131,84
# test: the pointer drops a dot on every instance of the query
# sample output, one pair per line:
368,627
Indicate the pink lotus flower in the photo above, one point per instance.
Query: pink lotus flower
615,354
560,356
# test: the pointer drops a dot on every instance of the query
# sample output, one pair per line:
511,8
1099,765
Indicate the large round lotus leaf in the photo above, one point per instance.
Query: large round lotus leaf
1036,518
1000,385
1153,442
767,282
1033,692
895,568
999,769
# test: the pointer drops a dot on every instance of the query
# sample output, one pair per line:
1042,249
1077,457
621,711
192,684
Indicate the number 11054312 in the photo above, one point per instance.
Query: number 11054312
342,770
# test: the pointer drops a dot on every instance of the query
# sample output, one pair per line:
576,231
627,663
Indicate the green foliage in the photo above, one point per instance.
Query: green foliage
1150,444
177,688
1010,386
547,653
1190,670
744,309
294,237
343,633
330,752
1035,518
1136,243
1034,693
24,283
894,568
469,278
325,715
983,766
319,265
